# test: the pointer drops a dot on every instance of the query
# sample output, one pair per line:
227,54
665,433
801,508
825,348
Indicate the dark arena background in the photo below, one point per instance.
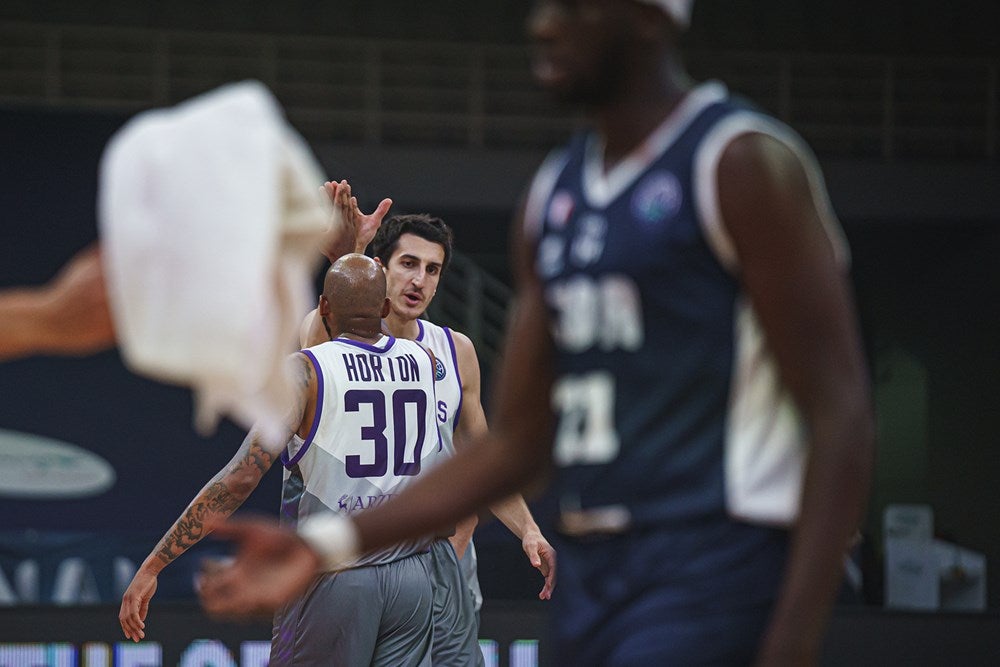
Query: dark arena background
432,104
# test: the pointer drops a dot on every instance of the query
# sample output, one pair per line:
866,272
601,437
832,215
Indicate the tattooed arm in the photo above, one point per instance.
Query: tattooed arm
223,494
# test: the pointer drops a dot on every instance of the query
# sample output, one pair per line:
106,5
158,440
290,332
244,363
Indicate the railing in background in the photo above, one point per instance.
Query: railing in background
481,95
473,301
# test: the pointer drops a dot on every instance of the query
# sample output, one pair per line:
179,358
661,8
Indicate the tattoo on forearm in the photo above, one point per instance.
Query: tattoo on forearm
218,500
257,457
186,532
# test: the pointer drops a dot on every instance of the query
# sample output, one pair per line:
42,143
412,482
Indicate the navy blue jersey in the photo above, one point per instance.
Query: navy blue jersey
670,408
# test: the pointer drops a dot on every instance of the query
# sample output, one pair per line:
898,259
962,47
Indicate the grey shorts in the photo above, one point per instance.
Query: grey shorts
373,615
456,623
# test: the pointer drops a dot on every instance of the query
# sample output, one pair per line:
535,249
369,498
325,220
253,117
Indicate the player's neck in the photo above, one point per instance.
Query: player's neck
402,327
371,339
364,330
626,122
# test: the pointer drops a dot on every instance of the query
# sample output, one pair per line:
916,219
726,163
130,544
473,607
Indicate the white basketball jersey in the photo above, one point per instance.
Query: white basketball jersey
448,381
374,431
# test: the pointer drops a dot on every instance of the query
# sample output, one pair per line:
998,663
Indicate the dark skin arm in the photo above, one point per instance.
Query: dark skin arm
223,494
802,299
513,511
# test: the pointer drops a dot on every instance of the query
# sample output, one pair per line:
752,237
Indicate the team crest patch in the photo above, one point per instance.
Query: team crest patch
657,198
560,208
439,370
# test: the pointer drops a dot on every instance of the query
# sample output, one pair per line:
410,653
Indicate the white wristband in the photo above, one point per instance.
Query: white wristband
333,537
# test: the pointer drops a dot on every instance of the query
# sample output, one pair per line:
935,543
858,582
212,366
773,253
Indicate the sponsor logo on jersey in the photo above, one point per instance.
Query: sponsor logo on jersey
588,244
439,370
352,503
35,467
560,209
657,198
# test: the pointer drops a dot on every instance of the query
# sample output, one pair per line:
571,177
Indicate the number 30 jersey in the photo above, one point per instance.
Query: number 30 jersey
374,431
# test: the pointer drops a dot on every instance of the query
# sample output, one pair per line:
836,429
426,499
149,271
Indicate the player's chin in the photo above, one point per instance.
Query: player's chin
414,310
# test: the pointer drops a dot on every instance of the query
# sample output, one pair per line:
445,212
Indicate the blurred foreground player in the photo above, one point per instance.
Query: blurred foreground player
683,305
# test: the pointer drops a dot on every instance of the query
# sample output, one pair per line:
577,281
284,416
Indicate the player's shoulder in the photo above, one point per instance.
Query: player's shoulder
464,347
746,135
444,341
461,339
431,331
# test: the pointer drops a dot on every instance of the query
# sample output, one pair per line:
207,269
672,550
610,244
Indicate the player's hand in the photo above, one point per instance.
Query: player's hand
135,605
543,557
272,565
351,230
76,309
365,225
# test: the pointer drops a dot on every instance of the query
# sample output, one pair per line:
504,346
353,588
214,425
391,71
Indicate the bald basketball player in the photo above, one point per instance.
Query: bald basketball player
361,428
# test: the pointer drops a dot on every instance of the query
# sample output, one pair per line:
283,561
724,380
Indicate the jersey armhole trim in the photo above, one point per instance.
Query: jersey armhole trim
541,189
706,194
458,375
287,461
431,357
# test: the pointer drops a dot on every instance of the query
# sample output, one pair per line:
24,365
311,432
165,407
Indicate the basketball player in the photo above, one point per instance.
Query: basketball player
415,251
683,305
364,428
69,315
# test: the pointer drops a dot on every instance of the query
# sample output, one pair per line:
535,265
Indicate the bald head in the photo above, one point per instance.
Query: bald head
354,298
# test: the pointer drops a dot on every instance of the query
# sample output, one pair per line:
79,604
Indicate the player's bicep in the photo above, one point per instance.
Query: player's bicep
788,266
472,421
302,397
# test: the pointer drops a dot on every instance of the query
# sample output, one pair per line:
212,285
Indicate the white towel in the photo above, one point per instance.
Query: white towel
209,218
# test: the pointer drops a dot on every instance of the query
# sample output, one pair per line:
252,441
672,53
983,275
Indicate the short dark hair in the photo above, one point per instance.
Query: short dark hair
419,224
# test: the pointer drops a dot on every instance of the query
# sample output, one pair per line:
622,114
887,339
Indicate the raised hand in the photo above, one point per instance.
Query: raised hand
351,230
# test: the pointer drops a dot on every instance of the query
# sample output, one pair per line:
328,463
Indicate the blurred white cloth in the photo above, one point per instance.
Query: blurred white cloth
209,217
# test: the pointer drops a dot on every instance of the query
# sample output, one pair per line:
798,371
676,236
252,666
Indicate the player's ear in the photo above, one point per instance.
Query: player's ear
385,307
324,306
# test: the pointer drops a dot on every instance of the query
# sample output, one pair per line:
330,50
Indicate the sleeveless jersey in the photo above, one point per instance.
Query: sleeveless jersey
374,431
670,410
448,381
